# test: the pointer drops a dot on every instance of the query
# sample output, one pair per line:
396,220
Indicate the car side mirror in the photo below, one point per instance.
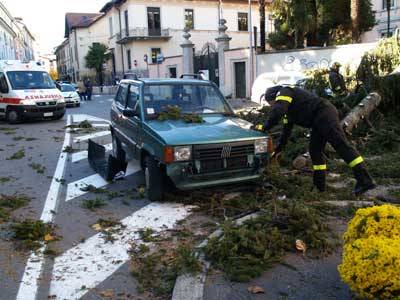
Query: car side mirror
129,113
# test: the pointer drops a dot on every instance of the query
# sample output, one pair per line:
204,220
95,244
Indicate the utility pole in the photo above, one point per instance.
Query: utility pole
250,25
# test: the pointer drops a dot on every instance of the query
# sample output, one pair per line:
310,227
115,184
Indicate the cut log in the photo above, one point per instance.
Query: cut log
361,111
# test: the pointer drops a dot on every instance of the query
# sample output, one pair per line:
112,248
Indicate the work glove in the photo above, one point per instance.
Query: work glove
258,127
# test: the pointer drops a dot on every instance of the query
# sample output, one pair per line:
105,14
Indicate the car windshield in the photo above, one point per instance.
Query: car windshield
30,80
67,88
190,98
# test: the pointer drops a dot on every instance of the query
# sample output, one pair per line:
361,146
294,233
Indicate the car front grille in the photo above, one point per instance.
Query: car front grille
219,157
48,103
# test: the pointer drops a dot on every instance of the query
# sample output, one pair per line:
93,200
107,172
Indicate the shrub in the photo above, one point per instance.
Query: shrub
371,256
370,267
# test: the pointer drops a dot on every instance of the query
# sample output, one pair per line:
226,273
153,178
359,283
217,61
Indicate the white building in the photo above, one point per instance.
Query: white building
82,30
380,30
16,41
144,28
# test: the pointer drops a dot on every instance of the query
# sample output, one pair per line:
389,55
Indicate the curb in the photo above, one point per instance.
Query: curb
191,286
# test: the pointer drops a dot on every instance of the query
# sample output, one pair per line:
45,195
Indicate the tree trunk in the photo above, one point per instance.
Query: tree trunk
388,5
361,111
355,15
262,24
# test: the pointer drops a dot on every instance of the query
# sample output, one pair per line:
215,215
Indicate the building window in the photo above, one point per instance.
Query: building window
392,4
154,53
243,24
126,23
128,57
154,21
110,25
189,18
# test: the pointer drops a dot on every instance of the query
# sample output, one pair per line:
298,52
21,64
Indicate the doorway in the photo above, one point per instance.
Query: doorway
240,79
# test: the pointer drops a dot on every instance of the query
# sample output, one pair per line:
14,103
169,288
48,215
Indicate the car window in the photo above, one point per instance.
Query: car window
122,93
67,88
133,96
190,98
3,84
30,80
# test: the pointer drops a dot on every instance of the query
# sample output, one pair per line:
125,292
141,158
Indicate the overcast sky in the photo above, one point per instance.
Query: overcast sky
45,18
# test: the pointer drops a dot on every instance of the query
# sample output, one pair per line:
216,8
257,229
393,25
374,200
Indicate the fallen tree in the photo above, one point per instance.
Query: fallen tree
361,112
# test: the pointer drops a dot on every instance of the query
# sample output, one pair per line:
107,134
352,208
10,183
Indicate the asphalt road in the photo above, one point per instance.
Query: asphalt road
86,264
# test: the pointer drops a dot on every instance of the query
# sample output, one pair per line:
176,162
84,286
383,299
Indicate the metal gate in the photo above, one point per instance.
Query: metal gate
207,62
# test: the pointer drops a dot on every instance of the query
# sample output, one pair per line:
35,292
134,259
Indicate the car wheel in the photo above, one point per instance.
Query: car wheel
59,117
155,179
13,117
78,105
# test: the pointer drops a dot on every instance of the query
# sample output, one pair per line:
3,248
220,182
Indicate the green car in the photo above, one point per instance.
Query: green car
185,135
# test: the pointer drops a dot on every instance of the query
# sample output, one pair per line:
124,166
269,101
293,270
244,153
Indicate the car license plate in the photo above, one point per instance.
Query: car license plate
48,114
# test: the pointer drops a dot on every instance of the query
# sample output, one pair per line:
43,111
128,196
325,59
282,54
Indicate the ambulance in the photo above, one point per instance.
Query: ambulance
28,92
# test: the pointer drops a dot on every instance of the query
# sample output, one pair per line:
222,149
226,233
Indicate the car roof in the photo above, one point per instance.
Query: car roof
165,81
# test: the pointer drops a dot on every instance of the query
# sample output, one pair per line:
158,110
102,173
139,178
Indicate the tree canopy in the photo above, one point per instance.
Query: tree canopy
317,22
96,57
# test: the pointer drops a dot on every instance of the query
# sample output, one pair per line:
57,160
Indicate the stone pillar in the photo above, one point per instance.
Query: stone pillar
187,49
223,44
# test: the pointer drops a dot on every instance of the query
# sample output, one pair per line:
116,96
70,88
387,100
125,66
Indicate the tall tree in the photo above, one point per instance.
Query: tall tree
261,4
355,19
321,22
96,57
388,6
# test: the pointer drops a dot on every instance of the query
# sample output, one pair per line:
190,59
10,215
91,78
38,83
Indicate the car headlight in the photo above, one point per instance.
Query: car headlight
261,146
28,102
182,153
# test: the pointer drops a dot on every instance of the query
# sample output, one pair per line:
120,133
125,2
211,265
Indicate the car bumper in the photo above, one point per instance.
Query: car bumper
184,179
35,112
72,101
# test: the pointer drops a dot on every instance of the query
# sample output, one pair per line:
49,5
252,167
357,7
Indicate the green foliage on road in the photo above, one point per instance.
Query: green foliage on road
318,22
93,204
17,155
31,233
38,168
9,203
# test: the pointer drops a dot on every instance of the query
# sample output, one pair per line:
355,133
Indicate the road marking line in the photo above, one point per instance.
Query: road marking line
74,188
101,125
90,263
82,117
91,136
33,269
84,154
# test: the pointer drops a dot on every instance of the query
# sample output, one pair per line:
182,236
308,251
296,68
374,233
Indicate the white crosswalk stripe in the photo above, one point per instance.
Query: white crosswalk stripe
91,136
78,156
94,260
90,263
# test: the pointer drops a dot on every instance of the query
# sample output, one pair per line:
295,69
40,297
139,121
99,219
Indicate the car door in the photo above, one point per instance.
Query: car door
133,124
117,108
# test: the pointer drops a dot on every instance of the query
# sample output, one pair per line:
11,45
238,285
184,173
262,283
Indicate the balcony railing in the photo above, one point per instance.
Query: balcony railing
142,34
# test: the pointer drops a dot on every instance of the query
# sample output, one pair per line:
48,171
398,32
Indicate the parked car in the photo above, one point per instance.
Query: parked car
219,150
28,92
270,79
70,95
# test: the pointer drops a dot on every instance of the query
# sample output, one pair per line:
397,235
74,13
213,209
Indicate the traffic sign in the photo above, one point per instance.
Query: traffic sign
160,58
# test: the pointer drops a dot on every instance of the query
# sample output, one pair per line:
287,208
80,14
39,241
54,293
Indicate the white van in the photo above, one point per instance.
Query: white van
28,92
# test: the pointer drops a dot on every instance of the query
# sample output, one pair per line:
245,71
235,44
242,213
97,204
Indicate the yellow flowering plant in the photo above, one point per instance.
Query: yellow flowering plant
374,221
371,254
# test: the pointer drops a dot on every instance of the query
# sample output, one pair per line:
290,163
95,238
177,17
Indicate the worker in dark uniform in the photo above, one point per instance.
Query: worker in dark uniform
295,106
336,80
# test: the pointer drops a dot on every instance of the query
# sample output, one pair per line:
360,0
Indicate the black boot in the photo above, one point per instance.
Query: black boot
364,180
319,180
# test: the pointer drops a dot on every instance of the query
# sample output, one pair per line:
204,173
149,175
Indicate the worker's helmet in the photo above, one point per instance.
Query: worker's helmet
336,66
271,92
